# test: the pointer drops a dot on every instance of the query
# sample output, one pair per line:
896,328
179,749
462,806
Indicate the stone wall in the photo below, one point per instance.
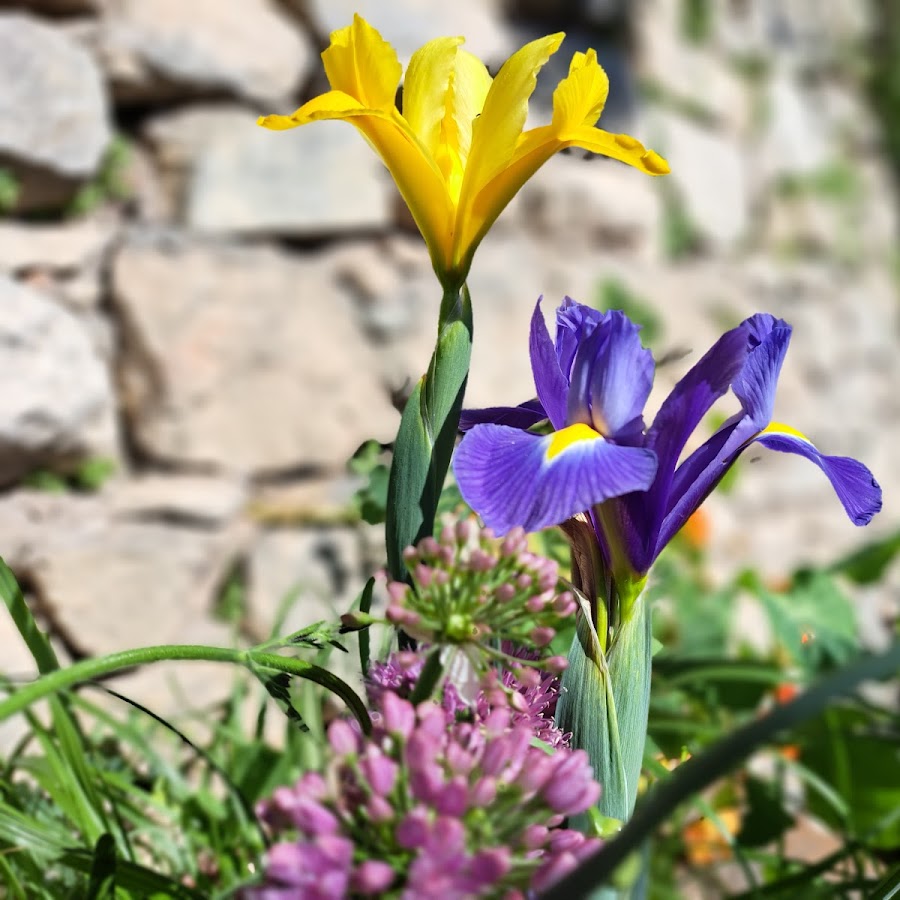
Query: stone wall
227,313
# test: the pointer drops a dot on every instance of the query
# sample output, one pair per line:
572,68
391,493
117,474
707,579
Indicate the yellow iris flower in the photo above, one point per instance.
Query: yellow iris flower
457,151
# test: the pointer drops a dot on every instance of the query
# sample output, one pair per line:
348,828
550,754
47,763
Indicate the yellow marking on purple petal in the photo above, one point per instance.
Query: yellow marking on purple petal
565,437
781,428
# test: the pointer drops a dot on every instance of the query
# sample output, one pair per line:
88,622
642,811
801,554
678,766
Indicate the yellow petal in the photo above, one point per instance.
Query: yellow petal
361,63
425,88
580,97
502,119
444,91
330,105
535,148
617,146
417,177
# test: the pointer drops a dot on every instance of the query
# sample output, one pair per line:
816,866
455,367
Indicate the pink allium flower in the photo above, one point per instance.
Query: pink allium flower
433,804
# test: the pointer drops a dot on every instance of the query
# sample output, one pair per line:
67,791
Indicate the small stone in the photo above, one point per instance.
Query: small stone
242,358
408,24
60,405
154,50
308,182
54,123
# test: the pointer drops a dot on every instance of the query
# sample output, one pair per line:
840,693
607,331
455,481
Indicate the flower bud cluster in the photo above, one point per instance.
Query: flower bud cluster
530,695
471,590
429,806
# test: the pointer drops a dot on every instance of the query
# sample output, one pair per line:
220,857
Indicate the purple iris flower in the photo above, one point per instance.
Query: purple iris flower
582,447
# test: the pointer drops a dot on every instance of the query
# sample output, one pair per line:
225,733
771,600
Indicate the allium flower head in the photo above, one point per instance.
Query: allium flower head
457,150
529,694
472,592
428,806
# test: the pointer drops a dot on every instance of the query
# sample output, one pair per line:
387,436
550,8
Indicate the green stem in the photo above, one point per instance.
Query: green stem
431,674
427,433
91,669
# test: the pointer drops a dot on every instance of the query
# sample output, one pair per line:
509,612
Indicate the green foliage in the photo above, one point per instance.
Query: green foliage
837,183
884,77
87,476
109,183
680,235
9,190
868,564
615,294
231,602
697,20
370,499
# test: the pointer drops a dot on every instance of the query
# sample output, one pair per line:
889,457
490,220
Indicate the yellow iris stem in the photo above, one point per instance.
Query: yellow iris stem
457,150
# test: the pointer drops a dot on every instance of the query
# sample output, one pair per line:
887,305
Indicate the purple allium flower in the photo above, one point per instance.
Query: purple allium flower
471,591
432,804
530,694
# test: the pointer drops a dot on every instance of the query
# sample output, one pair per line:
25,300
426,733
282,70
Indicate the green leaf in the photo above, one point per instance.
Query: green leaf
889,888
867,565
861,762
766,818
365,605
102,884
814,621
427,433
35,639
371,498
604,702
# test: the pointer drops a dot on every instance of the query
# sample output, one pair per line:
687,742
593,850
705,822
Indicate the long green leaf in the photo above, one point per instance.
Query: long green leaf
604,703
427,433
134,877
702,770
102,883
34,638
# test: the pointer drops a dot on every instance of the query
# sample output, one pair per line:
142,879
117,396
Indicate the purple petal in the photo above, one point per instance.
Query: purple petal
522,416
768,339
575,322
551,383
854,484
622,377
690,400
755,384
641,515
509,478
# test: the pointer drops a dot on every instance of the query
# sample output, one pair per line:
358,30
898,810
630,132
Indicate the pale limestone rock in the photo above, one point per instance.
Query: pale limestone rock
242,358
155,50
58,399
408,24
710,174
54,123
308,182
